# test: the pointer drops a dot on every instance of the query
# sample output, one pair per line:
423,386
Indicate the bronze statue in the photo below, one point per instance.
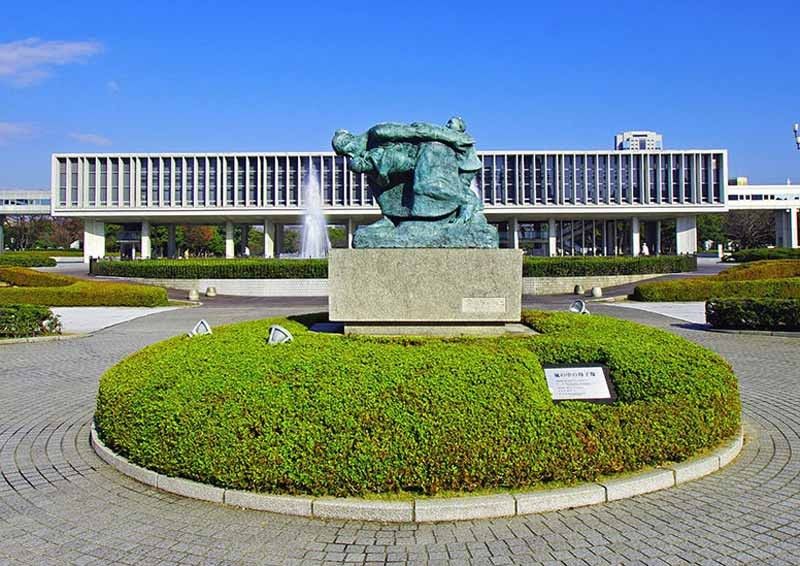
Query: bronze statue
421,176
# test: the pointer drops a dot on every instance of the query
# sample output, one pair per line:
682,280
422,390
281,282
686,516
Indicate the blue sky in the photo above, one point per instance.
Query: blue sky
262,76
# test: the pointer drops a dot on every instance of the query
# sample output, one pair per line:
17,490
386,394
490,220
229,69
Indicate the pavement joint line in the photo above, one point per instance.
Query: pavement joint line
464,508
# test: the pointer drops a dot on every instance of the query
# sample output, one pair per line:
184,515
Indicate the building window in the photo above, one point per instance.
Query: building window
154,177
62,182
103,182
73,189
178,189
167,183
143,176
252,173
202,186
190,181
92,182
126,182
114,182
241,180
212,181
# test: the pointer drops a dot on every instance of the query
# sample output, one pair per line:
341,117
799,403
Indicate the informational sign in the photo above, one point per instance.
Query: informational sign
580,383
483,305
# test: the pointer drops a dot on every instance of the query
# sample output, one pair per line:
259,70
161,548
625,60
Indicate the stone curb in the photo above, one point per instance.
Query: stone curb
434,510
464,508
784,333
34,339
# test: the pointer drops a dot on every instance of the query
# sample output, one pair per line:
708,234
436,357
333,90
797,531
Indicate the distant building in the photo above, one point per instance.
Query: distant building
638,141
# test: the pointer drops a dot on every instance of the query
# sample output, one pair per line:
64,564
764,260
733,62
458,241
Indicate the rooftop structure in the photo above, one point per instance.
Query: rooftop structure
638,140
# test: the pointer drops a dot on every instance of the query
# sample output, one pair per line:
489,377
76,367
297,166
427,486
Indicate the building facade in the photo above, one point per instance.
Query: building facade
549,202
20,202
639,140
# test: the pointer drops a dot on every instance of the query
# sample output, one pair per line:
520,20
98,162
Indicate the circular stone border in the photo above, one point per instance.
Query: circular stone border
430,510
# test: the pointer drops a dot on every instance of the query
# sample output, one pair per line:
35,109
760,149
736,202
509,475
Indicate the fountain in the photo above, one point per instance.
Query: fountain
314,239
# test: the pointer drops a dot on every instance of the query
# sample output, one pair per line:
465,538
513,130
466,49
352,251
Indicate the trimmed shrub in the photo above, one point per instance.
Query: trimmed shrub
27,259
21,277
587,265
215,268
38,288
318,268
350,415
774,279
775,269
758,254
702,289
754,314
22,321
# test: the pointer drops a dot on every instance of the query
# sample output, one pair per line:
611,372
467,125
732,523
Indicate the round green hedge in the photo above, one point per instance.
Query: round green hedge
335,415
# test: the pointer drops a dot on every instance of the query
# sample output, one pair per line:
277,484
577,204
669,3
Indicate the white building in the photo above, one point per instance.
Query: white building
21,202
638,140
549,202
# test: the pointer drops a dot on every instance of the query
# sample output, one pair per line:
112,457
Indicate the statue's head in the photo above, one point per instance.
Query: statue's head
457,123
345,143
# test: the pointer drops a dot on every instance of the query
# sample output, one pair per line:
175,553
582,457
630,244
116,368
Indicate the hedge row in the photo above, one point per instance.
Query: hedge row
758,254
318,268
22,321
586,265
37,288
771,279
27,259
754,314
215,268
347,415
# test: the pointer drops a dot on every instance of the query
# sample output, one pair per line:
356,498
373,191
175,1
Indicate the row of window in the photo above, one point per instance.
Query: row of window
764,197
25,202
276,181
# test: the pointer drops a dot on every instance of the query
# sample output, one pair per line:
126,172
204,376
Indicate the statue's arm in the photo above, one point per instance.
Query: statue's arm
418,132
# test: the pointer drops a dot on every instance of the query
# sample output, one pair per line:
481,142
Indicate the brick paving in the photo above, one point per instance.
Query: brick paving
60,504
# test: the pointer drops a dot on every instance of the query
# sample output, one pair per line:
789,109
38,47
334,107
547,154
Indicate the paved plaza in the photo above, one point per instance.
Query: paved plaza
60,504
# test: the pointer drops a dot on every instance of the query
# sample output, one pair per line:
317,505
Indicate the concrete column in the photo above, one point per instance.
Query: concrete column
686,235
513,228
2,235
349,228
635,237
657,251
603,235
94,239
229,253
792,228
552,250
172,248
269,242
147,250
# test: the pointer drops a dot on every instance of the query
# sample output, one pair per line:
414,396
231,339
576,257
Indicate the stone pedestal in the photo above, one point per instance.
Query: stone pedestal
425,291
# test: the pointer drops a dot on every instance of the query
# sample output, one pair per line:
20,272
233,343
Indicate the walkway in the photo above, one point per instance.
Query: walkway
81,320
694,311
59,504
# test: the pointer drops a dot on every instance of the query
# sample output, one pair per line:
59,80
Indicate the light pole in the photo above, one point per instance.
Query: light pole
796,135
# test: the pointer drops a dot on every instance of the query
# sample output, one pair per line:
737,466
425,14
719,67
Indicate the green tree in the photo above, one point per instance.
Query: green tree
338,236
255,242
291,240
711,227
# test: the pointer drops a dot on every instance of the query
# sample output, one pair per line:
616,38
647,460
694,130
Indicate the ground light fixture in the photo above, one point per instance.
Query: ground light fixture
201,328
278,335
579,307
